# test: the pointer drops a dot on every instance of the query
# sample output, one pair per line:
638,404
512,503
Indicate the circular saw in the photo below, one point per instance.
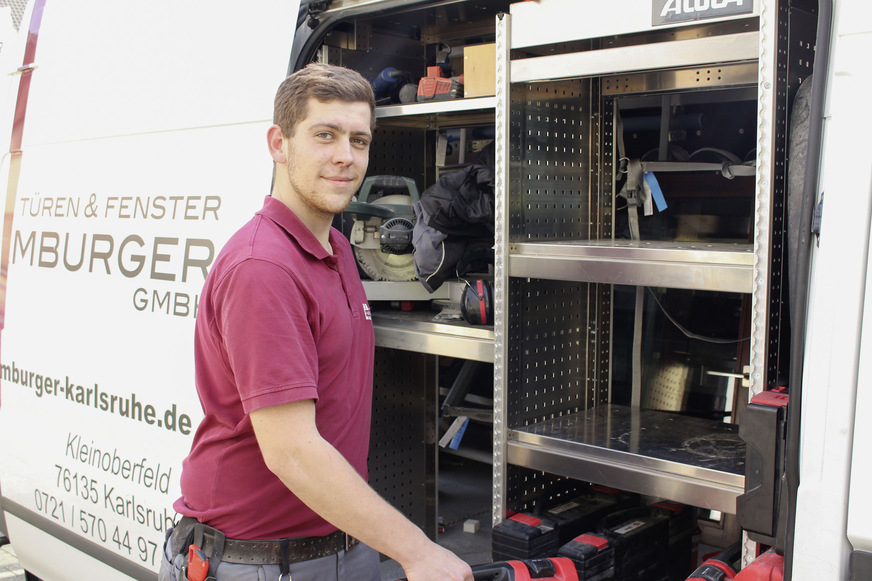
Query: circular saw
381,235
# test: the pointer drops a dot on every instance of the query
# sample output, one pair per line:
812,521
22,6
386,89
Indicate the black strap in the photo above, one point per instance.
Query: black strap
286,565
200,533
189,540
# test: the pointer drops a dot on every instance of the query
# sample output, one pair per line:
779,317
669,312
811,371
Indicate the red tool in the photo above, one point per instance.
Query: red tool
767,567
435,87
198,564
719,567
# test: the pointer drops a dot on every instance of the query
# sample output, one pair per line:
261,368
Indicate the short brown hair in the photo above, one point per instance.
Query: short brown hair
323,82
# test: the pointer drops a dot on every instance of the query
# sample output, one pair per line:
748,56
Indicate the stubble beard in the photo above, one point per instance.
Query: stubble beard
323,202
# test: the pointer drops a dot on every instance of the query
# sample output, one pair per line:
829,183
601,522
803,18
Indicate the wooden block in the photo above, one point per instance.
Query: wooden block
479,70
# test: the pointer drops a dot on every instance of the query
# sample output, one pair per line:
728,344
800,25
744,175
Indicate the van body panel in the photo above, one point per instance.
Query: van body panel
126,69
144,150
834,430
856,41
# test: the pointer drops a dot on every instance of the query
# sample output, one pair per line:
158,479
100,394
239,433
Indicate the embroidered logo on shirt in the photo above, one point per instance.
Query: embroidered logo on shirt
367,312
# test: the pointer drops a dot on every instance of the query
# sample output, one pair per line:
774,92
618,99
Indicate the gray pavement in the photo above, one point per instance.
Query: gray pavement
10,569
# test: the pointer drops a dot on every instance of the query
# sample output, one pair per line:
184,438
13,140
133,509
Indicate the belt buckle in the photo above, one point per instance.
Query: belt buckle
347,542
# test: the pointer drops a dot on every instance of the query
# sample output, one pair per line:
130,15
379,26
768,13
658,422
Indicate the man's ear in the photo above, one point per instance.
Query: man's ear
276,143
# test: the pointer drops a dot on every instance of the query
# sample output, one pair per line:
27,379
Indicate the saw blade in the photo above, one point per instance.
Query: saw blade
380,265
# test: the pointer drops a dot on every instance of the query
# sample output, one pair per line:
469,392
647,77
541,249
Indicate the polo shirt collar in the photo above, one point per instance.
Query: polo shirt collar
276,211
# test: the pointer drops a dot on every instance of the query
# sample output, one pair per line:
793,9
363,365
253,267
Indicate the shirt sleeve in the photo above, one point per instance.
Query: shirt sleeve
263,320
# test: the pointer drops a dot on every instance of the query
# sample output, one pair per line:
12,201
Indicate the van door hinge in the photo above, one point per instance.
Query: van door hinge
817,218
315,8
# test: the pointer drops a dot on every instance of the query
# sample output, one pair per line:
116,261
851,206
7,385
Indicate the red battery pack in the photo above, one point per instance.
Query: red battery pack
524,536
767,567
552,569
594,557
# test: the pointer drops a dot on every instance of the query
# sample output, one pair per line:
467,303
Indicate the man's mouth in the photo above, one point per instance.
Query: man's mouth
340,180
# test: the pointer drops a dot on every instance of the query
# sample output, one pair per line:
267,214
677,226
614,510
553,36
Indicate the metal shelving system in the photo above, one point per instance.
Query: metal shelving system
558,260
561,266
417,331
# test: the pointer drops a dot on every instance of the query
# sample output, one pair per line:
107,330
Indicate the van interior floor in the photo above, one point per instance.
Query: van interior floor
465,492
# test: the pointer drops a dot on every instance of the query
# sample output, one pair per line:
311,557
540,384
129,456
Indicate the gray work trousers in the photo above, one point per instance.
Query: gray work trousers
360,563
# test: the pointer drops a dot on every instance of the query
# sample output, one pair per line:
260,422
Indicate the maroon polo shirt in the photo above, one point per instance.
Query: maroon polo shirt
279,320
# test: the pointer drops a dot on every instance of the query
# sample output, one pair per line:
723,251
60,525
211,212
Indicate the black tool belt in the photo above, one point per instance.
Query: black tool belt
294,550
271,552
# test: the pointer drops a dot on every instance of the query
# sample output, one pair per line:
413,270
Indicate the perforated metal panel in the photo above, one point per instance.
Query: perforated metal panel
402,151
551,324
402,453
795,33
531,488
550,152
561,329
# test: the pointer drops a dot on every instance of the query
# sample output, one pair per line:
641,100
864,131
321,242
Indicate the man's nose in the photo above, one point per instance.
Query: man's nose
343,152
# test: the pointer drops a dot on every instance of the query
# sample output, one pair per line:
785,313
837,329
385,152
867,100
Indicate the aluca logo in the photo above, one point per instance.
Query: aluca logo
672,11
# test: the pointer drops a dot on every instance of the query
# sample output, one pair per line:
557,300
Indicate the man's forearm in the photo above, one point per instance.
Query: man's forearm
320,476
324,480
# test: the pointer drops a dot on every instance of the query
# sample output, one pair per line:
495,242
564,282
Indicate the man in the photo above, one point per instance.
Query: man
284,353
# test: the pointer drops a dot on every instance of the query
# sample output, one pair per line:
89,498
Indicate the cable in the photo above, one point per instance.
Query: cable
690,334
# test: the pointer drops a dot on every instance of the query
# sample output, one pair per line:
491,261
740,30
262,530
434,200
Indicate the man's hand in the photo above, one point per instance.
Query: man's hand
437,564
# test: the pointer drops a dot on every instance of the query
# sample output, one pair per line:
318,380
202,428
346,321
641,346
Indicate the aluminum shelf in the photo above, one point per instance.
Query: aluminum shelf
697,265
434,107
435,114
666,455
417,331
691,52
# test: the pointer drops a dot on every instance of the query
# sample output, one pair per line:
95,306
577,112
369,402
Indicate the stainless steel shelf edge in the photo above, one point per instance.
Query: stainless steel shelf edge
632,477
713,267
436,107
417,332
668,455
743,46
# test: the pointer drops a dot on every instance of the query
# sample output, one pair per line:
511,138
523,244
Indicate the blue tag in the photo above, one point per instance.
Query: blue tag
656,192
455,441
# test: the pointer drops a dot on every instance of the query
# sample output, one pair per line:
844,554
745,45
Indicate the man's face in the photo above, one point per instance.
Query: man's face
328,155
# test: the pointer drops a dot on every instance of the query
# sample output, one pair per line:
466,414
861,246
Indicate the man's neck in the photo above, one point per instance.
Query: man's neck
317,223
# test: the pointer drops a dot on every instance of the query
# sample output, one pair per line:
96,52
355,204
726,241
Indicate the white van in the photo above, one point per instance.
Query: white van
137,135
